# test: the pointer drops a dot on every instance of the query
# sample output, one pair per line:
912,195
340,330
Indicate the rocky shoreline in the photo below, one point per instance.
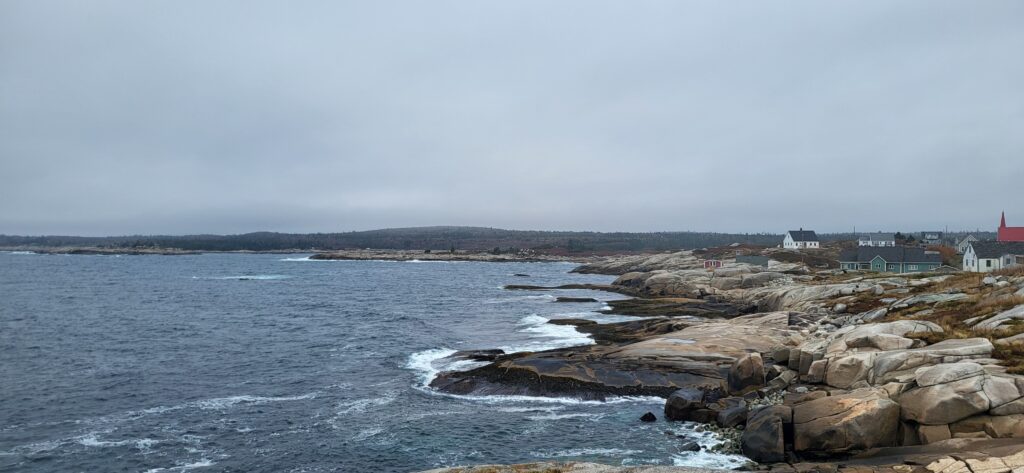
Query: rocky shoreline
810,370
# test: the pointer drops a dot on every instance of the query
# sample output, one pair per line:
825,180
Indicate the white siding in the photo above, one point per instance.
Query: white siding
986,265
789,242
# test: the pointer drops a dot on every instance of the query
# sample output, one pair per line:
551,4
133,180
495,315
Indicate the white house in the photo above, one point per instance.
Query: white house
988,256
797,239
877,240
961,246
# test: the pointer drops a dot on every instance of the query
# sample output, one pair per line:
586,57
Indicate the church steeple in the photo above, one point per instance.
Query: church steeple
1002,221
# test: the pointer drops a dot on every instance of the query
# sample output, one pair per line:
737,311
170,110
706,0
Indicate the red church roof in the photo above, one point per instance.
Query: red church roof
1009,233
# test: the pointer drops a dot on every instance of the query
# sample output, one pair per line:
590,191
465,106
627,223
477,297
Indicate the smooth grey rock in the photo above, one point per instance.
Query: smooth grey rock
858,420
945,403
880,341
947,373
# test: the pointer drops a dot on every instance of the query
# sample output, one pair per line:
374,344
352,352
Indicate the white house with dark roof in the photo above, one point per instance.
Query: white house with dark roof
877,239
799,239
988,256
961,246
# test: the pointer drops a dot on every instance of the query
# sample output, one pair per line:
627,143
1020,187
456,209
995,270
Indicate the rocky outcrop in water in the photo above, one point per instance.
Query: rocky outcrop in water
699,355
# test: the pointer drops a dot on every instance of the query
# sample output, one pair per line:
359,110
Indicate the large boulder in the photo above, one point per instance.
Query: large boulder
761,279
943,374
951,392
746,373
725,283
682,404
859,420
843,372
880,367
879,341
763,439
704,405
861,334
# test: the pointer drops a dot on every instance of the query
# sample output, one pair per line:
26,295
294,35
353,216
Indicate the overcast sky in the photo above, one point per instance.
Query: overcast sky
236,116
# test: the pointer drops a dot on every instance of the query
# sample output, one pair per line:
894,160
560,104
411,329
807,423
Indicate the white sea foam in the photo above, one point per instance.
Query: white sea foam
210,404
531,409
423,363
429,363
360,405
513,299
565,416
582,452
225,402
552,336
20,252
304,258
201,463
90,440
705,458
255,277
597,317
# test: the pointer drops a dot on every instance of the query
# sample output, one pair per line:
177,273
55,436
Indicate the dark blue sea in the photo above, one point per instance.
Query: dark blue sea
231,362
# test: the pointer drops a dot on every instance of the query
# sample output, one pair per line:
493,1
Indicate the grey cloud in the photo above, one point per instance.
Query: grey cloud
184,117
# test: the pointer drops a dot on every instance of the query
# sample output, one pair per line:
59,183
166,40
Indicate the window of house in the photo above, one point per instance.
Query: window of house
912,267
988,263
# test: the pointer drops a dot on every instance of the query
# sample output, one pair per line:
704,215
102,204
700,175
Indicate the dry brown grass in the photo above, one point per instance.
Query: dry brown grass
959,281
1012,356
1011,271
982,301
998,304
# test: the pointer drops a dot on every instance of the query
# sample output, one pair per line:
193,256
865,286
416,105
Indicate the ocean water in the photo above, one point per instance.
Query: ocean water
227,362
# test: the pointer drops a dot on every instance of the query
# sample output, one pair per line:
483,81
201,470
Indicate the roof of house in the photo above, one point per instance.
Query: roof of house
891,254
966,239
877,236
937,234
803,235
995,249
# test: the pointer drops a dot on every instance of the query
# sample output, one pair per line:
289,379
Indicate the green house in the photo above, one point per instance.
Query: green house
890,259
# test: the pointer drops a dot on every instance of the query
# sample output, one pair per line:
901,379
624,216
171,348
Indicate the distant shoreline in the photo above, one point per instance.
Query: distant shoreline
350,255
409,255
88,250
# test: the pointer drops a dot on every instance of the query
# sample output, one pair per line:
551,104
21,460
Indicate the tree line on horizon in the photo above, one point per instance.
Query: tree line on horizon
425,238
